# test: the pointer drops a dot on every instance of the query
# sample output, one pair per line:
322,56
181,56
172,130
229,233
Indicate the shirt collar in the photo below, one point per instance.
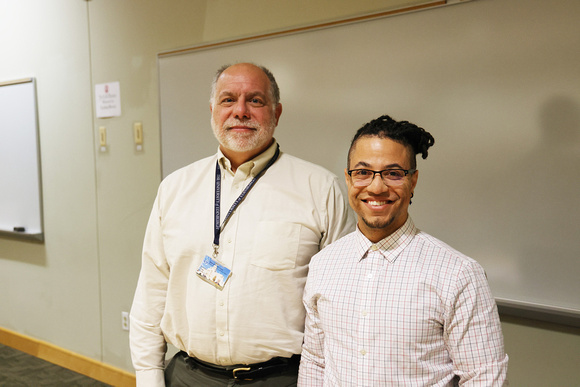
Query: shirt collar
251,167
391,246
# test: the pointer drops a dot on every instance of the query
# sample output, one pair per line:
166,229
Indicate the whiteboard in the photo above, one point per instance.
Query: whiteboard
20,177
497,84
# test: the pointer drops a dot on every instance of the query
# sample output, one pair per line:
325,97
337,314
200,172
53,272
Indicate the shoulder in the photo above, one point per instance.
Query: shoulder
447,258
305,174
186,180
342,247
203,166
299,165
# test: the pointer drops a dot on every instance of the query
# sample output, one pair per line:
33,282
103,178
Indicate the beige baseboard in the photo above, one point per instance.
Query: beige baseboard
67,359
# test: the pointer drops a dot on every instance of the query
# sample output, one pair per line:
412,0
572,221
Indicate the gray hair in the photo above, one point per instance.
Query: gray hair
274,90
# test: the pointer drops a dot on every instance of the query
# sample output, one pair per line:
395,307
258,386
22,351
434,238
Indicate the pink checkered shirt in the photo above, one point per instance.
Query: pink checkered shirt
407,311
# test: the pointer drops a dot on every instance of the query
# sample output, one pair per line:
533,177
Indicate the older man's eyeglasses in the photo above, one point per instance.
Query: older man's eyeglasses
364,177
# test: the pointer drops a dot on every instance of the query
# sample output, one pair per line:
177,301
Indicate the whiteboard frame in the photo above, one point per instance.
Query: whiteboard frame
37,236
290,31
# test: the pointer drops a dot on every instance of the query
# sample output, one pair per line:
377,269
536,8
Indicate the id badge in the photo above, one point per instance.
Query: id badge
213,272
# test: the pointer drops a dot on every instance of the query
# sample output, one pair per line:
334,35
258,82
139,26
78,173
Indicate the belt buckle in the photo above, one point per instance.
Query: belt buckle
240,369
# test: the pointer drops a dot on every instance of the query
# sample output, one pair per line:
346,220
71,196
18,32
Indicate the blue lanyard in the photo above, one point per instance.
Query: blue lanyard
218,184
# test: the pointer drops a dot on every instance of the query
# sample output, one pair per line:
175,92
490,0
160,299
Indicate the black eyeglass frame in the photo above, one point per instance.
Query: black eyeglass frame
407,172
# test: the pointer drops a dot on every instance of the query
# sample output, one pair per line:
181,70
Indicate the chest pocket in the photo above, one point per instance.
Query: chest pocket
276,245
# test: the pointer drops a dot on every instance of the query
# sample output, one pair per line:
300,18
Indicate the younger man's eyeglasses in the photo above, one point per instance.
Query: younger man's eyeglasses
364,177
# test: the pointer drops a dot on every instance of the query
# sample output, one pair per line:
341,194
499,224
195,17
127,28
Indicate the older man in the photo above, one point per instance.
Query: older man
227,249
389,305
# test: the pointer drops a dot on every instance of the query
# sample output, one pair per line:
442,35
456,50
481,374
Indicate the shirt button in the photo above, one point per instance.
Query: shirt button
364,313
363,352
370,275
222,334
374,247
221,303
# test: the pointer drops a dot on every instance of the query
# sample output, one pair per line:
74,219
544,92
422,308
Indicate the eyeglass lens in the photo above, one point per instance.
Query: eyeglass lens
364,177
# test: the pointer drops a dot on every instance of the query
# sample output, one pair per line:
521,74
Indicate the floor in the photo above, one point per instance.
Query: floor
18,369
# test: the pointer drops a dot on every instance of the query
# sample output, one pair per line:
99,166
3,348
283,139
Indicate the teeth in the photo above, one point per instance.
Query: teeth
373,203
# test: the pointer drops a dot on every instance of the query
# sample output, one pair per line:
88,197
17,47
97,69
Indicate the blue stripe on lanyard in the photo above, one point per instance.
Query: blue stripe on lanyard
218,184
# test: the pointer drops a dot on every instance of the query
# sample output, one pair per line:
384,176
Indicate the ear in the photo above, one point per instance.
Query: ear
347,178
278,112
414,179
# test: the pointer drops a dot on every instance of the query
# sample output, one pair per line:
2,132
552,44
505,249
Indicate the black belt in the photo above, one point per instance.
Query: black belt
249,371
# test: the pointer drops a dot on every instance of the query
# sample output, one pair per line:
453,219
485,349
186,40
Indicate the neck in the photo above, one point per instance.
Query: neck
375,232
238,158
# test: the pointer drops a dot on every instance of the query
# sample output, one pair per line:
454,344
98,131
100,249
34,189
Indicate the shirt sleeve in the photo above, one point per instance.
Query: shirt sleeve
146,339
311,372
341,220
473,332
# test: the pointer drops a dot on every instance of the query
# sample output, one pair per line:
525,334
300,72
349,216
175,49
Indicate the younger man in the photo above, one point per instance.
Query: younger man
389,305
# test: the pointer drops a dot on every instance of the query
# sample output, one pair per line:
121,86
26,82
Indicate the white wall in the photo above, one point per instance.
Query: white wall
125,37
71,290
51,290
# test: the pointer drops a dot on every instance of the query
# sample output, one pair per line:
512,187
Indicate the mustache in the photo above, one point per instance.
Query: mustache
236,122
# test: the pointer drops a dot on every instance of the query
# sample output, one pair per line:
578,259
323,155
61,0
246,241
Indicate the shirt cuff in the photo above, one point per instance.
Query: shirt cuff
150,378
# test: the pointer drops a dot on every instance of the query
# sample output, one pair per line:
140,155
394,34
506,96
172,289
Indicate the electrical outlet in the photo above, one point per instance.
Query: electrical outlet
125,321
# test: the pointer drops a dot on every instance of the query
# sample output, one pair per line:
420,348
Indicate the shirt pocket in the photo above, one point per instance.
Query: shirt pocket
276,245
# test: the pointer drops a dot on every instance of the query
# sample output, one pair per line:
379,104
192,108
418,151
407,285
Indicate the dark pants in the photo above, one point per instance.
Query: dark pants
181,374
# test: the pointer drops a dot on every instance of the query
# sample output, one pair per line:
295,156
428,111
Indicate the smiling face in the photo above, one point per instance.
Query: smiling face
381,209
243,114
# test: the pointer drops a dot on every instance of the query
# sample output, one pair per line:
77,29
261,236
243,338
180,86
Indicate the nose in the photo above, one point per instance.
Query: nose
377,184
241,109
